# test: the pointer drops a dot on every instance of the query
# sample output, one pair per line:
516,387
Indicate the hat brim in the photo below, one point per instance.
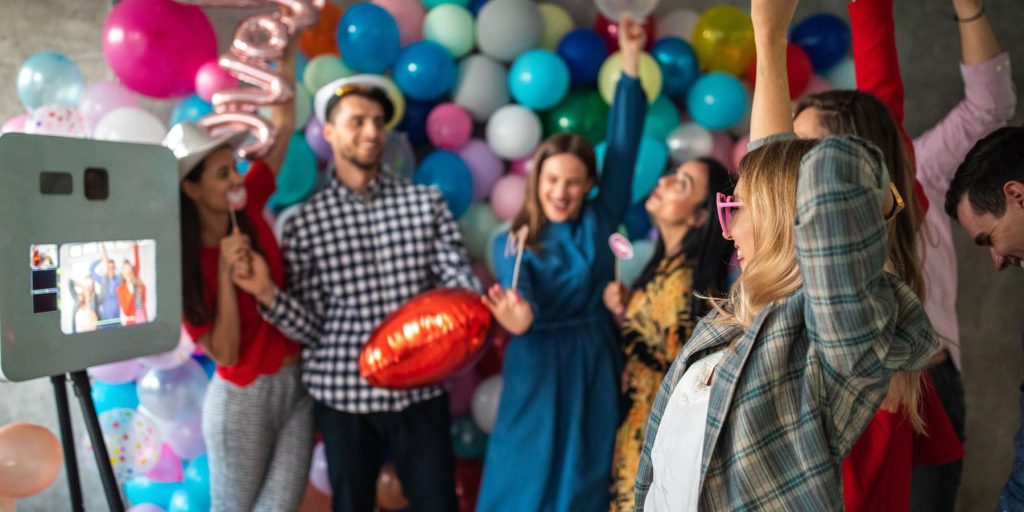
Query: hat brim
230,140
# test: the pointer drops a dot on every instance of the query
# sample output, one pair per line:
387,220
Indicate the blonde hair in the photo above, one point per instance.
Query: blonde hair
767,187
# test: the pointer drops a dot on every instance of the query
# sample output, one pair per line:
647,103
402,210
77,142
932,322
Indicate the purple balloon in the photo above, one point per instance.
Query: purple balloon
485,166
318,470
168,467
460,391
101,98
317,142
146,507
185,438
119,372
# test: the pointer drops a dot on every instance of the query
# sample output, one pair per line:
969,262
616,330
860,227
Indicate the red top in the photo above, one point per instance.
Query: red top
877,66
263,347
876,474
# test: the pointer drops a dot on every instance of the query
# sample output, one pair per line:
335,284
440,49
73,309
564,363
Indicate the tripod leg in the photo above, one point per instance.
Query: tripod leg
92,424
67,438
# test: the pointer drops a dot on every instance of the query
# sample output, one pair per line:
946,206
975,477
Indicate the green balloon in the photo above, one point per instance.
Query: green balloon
662,118
323,70
477,225
430,4
451,26
582,112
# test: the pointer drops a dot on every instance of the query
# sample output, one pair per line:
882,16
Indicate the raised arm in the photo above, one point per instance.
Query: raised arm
770,113
625,127
282,115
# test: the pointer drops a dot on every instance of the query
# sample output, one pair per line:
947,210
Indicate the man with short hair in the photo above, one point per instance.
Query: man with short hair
354,253
987,197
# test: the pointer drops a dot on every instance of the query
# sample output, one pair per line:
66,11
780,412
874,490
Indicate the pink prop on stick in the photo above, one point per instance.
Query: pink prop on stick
258,40
622,249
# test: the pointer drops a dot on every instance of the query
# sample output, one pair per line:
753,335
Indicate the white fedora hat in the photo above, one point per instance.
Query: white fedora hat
190,144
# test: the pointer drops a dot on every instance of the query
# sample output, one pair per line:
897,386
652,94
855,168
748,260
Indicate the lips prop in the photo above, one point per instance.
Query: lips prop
434,335
237,199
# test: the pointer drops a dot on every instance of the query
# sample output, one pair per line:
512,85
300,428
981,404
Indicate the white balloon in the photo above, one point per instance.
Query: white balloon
630,270
513,131
506,28
485,403
482,87
130,124
615,10
688,141
677,23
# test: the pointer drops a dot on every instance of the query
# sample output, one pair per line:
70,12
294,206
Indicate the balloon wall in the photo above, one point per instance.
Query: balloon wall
478,85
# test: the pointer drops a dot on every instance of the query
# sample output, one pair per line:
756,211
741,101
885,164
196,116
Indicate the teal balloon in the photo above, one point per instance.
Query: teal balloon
468,441
49,78
662,118
650,165
538,79
477,225
182,502
303,108
717,100
191,109
143,490
430,4
112,396
368,38
197,482
843,76
450,174
297,178
582,112
630,270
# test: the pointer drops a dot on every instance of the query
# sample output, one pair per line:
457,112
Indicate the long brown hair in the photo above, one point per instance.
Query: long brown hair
861,114
767,187
195,308
532,214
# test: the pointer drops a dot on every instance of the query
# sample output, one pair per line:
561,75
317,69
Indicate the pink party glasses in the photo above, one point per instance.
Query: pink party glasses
726,205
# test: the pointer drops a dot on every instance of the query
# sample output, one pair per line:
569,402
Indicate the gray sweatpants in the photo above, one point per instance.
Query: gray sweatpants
259,441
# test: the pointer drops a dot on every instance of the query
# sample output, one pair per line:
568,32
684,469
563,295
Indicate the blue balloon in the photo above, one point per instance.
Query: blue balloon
192,109
637,222
538,79
49,78
414,122
650,166
583,51
825,37
297,178
181,502
424,71
112,396
143,490
678,63
368,38
449,173
208,365
475,6
717,101
197,481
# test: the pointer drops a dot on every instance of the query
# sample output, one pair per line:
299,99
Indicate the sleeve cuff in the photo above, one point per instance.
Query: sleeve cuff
993,76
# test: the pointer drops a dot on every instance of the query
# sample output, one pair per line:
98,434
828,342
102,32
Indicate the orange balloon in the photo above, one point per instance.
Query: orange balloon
430,337
30,459
7,505
322,37
389,490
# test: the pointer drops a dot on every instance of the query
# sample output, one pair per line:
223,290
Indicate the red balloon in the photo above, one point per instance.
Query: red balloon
467,483
609,32
798,70
430,337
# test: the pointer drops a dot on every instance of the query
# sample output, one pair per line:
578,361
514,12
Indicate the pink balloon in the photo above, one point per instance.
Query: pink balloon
167,468
408,15
485,166
15,124
507,196
521,166
119,372
460,391
145,507
315,138
212,78
449,126
100,99
738,150
318,470
156,46
722,149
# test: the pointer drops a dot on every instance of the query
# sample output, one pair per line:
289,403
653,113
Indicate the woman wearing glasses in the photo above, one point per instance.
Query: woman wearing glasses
691,262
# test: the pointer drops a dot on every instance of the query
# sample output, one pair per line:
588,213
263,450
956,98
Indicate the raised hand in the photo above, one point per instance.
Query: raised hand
632,40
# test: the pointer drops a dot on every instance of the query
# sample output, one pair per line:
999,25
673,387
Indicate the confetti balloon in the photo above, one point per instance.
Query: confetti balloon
133,442
55,120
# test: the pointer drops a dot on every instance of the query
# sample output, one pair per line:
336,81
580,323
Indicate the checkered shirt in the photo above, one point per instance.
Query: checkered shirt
351,260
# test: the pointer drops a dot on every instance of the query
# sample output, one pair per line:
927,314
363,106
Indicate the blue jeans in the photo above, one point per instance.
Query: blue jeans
1013,493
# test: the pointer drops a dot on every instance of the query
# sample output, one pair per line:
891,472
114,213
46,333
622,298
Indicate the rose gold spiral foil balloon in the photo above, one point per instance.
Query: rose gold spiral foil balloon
427,339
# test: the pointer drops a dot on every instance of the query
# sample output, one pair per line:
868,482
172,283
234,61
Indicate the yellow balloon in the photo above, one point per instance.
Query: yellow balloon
557,23
611,70
723,39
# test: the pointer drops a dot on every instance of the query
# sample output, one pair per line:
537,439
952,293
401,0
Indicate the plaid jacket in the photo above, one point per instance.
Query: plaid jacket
795,391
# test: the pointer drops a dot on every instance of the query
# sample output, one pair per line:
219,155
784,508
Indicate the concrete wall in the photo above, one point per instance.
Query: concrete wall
991,304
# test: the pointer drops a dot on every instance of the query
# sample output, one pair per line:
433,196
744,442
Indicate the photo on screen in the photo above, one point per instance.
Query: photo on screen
106,285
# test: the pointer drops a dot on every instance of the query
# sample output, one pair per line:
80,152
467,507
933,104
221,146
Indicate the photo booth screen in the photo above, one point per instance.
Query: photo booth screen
96,286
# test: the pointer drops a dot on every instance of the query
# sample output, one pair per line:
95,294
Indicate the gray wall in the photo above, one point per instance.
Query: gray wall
991,304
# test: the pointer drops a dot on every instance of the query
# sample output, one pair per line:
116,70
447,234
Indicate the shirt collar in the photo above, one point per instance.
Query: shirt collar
381,182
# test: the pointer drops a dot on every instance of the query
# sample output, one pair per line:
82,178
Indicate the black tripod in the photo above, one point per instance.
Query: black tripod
83,391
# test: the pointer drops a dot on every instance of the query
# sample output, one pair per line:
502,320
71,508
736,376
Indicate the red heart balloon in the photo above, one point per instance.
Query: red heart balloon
435,334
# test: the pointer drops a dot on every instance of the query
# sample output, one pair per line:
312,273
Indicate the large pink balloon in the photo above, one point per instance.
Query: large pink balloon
408,15
449,126
156,46
507,196
100,99
30,459
15,124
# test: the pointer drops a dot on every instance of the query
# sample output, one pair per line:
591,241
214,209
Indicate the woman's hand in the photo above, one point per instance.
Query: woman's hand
511,311
615,297
771,18
257,281
632,40
234,253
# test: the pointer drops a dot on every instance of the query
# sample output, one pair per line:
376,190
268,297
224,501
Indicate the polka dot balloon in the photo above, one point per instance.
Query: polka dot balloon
133,442
56,120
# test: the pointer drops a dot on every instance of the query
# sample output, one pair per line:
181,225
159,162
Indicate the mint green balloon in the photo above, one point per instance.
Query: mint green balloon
477,225
303,108
662,118
451,26
430,4
323,70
